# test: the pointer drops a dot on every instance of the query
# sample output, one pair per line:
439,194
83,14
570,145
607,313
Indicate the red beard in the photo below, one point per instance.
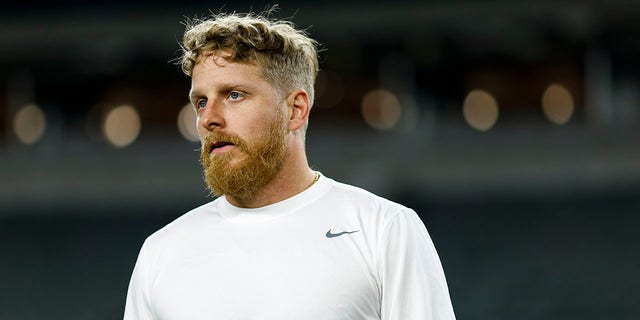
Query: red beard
249,166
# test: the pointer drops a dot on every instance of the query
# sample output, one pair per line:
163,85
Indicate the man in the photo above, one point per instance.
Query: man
281,241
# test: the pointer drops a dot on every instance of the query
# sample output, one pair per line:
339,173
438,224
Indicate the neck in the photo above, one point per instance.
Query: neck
294,177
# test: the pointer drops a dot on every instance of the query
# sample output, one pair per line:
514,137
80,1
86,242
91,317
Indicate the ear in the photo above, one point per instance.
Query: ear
299,107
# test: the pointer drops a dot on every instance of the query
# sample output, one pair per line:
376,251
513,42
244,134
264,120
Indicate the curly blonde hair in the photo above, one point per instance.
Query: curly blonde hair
288,57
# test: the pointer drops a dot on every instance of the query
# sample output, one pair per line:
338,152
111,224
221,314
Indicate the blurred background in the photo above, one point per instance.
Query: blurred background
511,127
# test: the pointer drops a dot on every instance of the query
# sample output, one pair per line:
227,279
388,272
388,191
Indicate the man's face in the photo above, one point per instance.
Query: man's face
242,126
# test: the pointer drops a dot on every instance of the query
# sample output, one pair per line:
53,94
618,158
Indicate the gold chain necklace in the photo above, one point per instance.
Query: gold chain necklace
315,179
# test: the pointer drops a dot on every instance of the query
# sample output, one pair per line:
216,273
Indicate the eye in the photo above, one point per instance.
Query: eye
235,95
201,104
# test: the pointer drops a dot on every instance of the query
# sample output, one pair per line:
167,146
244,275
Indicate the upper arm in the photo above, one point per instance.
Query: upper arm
138,306
413,281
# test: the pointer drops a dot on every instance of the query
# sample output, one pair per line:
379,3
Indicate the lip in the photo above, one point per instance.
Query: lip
222,149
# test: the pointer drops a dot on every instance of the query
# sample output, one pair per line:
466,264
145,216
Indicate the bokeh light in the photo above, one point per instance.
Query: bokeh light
381,109
480,110
121,126
557,104
29,124
187,123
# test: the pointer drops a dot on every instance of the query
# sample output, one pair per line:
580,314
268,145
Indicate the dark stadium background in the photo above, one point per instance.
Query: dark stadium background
533,219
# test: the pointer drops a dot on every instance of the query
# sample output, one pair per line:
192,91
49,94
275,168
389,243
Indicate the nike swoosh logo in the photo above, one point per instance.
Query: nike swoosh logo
333,235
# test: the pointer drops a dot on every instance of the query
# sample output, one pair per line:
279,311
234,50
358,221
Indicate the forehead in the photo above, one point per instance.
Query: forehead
213,68
221,61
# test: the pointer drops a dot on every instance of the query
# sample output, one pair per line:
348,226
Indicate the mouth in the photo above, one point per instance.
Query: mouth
220,146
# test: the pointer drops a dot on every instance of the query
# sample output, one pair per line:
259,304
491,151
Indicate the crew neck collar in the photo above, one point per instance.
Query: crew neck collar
273,211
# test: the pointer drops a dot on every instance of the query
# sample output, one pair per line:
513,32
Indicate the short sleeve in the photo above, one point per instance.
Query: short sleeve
137,306
413,281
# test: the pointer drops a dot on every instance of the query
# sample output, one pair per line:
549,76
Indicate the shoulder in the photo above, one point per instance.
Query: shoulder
356,195
187,224
364,202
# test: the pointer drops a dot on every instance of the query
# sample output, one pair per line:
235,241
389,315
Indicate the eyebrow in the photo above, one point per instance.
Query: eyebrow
193,94
223,88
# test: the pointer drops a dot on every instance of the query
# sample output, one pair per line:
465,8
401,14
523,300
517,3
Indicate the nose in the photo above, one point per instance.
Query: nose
211,117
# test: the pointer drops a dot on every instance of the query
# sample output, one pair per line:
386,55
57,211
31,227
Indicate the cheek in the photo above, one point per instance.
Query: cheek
200,128
201,132
253,125
259,129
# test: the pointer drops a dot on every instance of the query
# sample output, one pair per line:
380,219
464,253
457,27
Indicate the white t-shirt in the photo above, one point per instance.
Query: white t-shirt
331,252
